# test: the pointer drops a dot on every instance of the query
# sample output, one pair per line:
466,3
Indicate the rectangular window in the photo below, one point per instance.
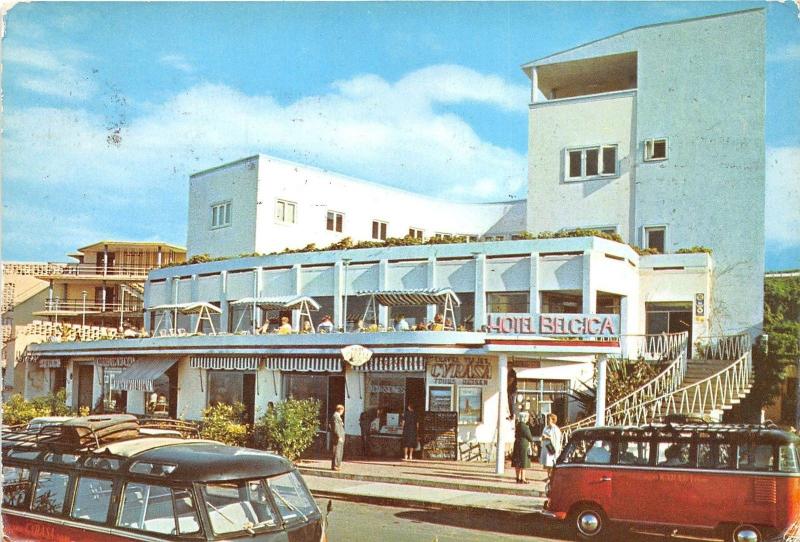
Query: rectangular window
334,221
92,499
655,149
221,215
470,404
673,454
591,163
147,507
561,303
655,238
51,492
508,302
634,452
379,230
233,506
285,211
715,455
415,233
440,398
16,486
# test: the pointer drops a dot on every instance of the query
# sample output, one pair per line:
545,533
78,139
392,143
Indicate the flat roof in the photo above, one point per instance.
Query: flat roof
130,243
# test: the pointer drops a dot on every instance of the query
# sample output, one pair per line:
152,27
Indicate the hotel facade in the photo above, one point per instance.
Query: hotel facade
628,135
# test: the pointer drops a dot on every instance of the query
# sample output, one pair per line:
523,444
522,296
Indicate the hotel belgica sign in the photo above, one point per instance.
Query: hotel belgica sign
559,324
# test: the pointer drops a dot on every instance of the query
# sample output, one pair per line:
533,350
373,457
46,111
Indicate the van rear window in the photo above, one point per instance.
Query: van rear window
788,459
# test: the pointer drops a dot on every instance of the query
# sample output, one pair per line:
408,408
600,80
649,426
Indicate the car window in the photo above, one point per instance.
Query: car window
634,452
291,496
238,506
92,499
185,512
788,458
673,454
16,486
147,507
754,456
715,455
50,493
599,453
576,451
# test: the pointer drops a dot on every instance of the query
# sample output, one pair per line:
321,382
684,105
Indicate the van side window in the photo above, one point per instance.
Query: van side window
673,454
599,453
16,486
788,460
576,451
92,499
754,456
634,452
715,455
147,507
50,493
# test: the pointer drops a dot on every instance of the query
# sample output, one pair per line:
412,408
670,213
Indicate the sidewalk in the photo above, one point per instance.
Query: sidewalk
427,484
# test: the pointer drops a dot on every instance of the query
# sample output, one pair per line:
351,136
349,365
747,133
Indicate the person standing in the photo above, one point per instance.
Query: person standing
523,440
551,444
337,437
410,427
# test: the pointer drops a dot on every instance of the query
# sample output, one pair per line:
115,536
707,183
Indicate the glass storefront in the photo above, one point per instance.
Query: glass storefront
231,387
391,392
113,400
309,386
542,397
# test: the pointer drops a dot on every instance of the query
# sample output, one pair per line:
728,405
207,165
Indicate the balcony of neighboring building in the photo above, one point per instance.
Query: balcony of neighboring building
585,77
76,307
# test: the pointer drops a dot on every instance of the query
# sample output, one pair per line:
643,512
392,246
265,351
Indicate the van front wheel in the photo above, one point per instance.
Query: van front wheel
589,522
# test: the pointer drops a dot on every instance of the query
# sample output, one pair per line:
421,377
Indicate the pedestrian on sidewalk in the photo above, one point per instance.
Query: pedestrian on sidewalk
410,428
364,422
523,439
336,426
551,444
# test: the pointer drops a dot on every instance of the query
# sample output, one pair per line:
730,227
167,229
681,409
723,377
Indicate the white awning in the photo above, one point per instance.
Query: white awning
305,364
140,375
278,302
194,307
420,296
393,364
225,363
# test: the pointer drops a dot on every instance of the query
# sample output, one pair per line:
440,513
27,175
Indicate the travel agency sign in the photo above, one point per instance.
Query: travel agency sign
558,324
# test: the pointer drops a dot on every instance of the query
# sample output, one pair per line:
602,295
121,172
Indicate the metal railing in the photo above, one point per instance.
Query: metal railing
78,305
723,347
663,347
94,270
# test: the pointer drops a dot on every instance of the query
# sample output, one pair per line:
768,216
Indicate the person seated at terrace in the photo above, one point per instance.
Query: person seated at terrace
326,325
285,327
438,324
130,332
401,324
307,327
448,324
360,327
422,325
264,329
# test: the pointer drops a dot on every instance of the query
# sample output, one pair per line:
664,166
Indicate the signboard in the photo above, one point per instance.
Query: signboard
439,435
470,404
114,361
558,324
466,370
356,355
440,398
699,304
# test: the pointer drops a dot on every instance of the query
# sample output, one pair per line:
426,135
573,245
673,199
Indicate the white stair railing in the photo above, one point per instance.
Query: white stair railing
663,347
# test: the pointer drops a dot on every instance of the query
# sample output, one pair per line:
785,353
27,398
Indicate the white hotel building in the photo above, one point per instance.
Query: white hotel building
632,134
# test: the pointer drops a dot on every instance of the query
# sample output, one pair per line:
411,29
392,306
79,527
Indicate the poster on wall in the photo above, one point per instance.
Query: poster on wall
440,398
470,404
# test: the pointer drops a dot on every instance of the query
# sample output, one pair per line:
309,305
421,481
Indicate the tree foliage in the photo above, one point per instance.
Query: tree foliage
18,411
623,376
288,428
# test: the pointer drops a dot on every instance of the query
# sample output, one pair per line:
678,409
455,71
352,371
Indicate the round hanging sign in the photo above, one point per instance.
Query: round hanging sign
356,355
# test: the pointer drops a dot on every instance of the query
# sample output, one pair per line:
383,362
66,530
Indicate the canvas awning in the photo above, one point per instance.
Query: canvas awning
305,364
398,363
225,363
202,309
140,375
279,302
419,296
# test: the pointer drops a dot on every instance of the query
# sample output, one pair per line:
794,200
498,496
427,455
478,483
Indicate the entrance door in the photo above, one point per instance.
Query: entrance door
415,393
671,317
85,385
335,393
172,400
248,397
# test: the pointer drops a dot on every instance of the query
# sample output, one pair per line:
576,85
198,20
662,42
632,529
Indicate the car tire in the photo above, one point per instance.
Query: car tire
589,522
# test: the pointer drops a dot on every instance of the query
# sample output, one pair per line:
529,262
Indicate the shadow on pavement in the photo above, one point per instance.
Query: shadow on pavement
511,524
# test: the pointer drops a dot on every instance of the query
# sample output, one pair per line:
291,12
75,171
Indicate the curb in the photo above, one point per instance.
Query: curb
305,471
421,505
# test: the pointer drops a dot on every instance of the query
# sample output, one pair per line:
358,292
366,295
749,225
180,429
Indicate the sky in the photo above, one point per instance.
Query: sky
109,107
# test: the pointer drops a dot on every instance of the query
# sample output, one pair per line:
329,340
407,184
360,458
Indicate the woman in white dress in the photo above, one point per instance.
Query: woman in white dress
551,444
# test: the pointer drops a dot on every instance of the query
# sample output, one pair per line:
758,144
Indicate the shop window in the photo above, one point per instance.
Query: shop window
310,386
508,302
655,237
113,400
379,230
386,392
561,303
334,221
655,149
541,397
440,398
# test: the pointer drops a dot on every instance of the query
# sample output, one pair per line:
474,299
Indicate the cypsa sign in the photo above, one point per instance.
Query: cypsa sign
568,325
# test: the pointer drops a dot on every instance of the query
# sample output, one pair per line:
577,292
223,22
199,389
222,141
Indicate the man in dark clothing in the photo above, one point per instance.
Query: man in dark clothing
337,437
364,422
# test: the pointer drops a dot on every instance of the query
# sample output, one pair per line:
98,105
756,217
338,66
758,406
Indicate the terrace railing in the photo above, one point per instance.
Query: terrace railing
77,305
94,270
671,348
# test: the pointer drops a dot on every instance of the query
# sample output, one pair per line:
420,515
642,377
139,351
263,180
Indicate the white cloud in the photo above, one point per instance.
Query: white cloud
59,74
178,62
783,196
398,133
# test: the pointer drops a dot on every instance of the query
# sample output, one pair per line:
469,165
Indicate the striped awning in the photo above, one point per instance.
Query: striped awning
305,364
192,307
49,363
420,296
278,302
395,363
225,363
140,375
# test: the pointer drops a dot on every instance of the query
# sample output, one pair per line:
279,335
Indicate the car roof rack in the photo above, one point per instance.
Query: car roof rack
187,429
77,434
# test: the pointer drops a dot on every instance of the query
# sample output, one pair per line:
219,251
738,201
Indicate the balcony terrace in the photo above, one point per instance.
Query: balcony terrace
76,307
78,272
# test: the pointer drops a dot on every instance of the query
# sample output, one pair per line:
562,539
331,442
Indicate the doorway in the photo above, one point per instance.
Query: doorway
85,386
669,317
